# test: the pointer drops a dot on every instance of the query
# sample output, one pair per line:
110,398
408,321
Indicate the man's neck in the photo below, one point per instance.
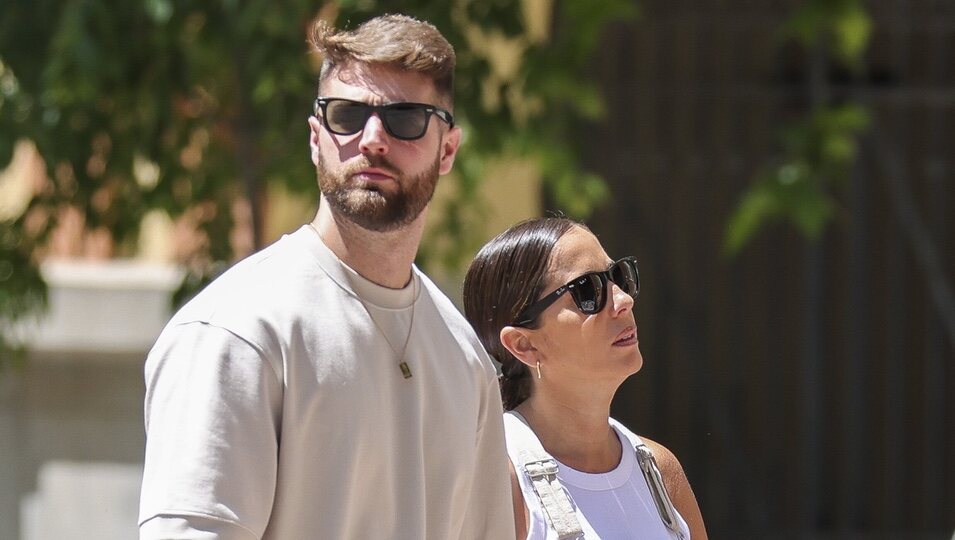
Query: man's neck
384,258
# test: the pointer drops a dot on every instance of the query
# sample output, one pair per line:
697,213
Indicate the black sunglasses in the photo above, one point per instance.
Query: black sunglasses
403,120
589,291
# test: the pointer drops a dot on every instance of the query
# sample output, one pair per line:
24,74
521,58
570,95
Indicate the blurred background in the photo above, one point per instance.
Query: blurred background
783,170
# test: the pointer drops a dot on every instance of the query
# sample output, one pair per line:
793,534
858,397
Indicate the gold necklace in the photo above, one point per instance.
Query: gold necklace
402,364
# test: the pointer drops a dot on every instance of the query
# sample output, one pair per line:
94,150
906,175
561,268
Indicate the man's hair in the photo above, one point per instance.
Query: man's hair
396,41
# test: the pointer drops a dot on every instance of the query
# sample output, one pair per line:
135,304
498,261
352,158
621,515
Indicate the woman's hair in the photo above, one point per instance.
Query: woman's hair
392,40
505,277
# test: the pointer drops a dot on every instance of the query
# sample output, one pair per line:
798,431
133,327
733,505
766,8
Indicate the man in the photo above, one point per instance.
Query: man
324,387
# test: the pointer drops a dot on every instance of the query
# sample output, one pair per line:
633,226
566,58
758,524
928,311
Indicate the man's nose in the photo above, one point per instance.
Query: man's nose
374,138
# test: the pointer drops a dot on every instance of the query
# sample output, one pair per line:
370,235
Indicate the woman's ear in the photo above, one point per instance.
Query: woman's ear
518,342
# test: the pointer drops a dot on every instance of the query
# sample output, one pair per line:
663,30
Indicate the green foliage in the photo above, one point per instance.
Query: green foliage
183,106
529,115
817,151
843,24
148,105
22,296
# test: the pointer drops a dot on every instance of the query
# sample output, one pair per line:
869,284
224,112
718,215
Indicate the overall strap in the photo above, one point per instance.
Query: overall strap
651,472
541,470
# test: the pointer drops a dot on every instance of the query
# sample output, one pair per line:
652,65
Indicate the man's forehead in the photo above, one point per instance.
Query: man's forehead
378,83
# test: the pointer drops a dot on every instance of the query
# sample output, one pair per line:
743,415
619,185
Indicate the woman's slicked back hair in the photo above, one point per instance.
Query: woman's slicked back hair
507,275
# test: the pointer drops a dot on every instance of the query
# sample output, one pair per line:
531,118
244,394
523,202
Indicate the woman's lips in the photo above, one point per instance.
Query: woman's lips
627,337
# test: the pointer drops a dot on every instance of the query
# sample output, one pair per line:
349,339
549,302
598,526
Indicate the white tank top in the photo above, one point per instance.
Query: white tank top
609,506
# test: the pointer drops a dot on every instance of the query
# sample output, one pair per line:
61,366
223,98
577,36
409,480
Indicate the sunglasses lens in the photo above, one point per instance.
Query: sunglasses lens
346,117
588,293
406,120
624,274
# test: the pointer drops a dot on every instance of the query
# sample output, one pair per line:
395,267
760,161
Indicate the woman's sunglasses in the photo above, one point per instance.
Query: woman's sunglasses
589,291
405,121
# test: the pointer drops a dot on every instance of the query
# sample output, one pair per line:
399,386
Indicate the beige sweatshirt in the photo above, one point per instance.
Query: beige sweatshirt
275,408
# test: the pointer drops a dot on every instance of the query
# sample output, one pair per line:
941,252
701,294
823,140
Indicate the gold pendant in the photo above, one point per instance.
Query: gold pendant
405,370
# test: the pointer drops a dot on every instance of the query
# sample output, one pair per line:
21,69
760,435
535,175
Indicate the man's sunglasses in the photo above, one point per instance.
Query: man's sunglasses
405,121
589,291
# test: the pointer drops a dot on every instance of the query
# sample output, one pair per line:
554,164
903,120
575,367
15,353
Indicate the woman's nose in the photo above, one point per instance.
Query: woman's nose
622,302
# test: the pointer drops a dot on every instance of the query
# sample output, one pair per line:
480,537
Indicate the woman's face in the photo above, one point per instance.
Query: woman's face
601,346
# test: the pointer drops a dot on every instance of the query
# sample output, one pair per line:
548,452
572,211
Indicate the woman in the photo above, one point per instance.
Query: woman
557,313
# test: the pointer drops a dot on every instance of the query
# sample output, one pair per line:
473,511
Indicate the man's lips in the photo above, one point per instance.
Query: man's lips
374,175
627,337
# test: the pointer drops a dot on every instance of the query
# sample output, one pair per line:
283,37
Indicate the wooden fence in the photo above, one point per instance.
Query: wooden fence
807,388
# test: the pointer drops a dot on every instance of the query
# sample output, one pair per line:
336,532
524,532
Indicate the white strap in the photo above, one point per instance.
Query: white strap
541,469
651,473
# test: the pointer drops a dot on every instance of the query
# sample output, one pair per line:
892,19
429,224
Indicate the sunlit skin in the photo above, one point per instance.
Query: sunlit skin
373,164
587,350
583,361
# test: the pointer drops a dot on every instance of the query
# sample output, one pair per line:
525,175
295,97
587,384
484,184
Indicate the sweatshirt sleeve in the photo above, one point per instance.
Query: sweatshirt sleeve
212,415
491,513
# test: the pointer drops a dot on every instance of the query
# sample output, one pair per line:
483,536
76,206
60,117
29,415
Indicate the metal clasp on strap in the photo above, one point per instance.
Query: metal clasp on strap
651,472
554,500
540,469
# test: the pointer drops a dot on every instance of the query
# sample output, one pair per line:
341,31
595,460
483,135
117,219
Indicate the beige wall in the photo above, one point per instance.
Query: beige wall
71,419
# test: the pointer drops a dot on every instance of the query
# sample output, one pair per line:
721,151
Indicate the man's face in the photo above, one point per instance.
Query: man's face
371,178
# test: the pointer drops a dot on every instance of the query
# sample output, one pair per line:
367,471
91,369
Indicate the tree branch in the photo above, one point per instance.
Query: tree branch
923,247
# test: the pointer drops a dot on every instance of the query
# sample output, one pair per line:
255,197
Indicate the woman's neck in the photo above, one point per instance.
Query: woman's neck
575,432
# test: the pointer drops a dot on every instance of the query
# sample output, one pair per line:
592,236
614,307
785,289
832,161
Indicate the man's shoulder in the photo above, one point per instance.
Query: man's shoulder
446,308
457,324
268,288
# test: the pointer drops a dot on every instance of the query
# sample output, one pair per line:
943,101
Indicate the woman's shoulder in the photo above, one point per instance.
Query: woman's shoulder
675,480
669,464
667,461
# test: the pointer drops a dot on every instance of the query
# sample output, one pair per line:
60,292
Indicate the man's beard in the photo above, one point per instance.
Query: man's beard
367,205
